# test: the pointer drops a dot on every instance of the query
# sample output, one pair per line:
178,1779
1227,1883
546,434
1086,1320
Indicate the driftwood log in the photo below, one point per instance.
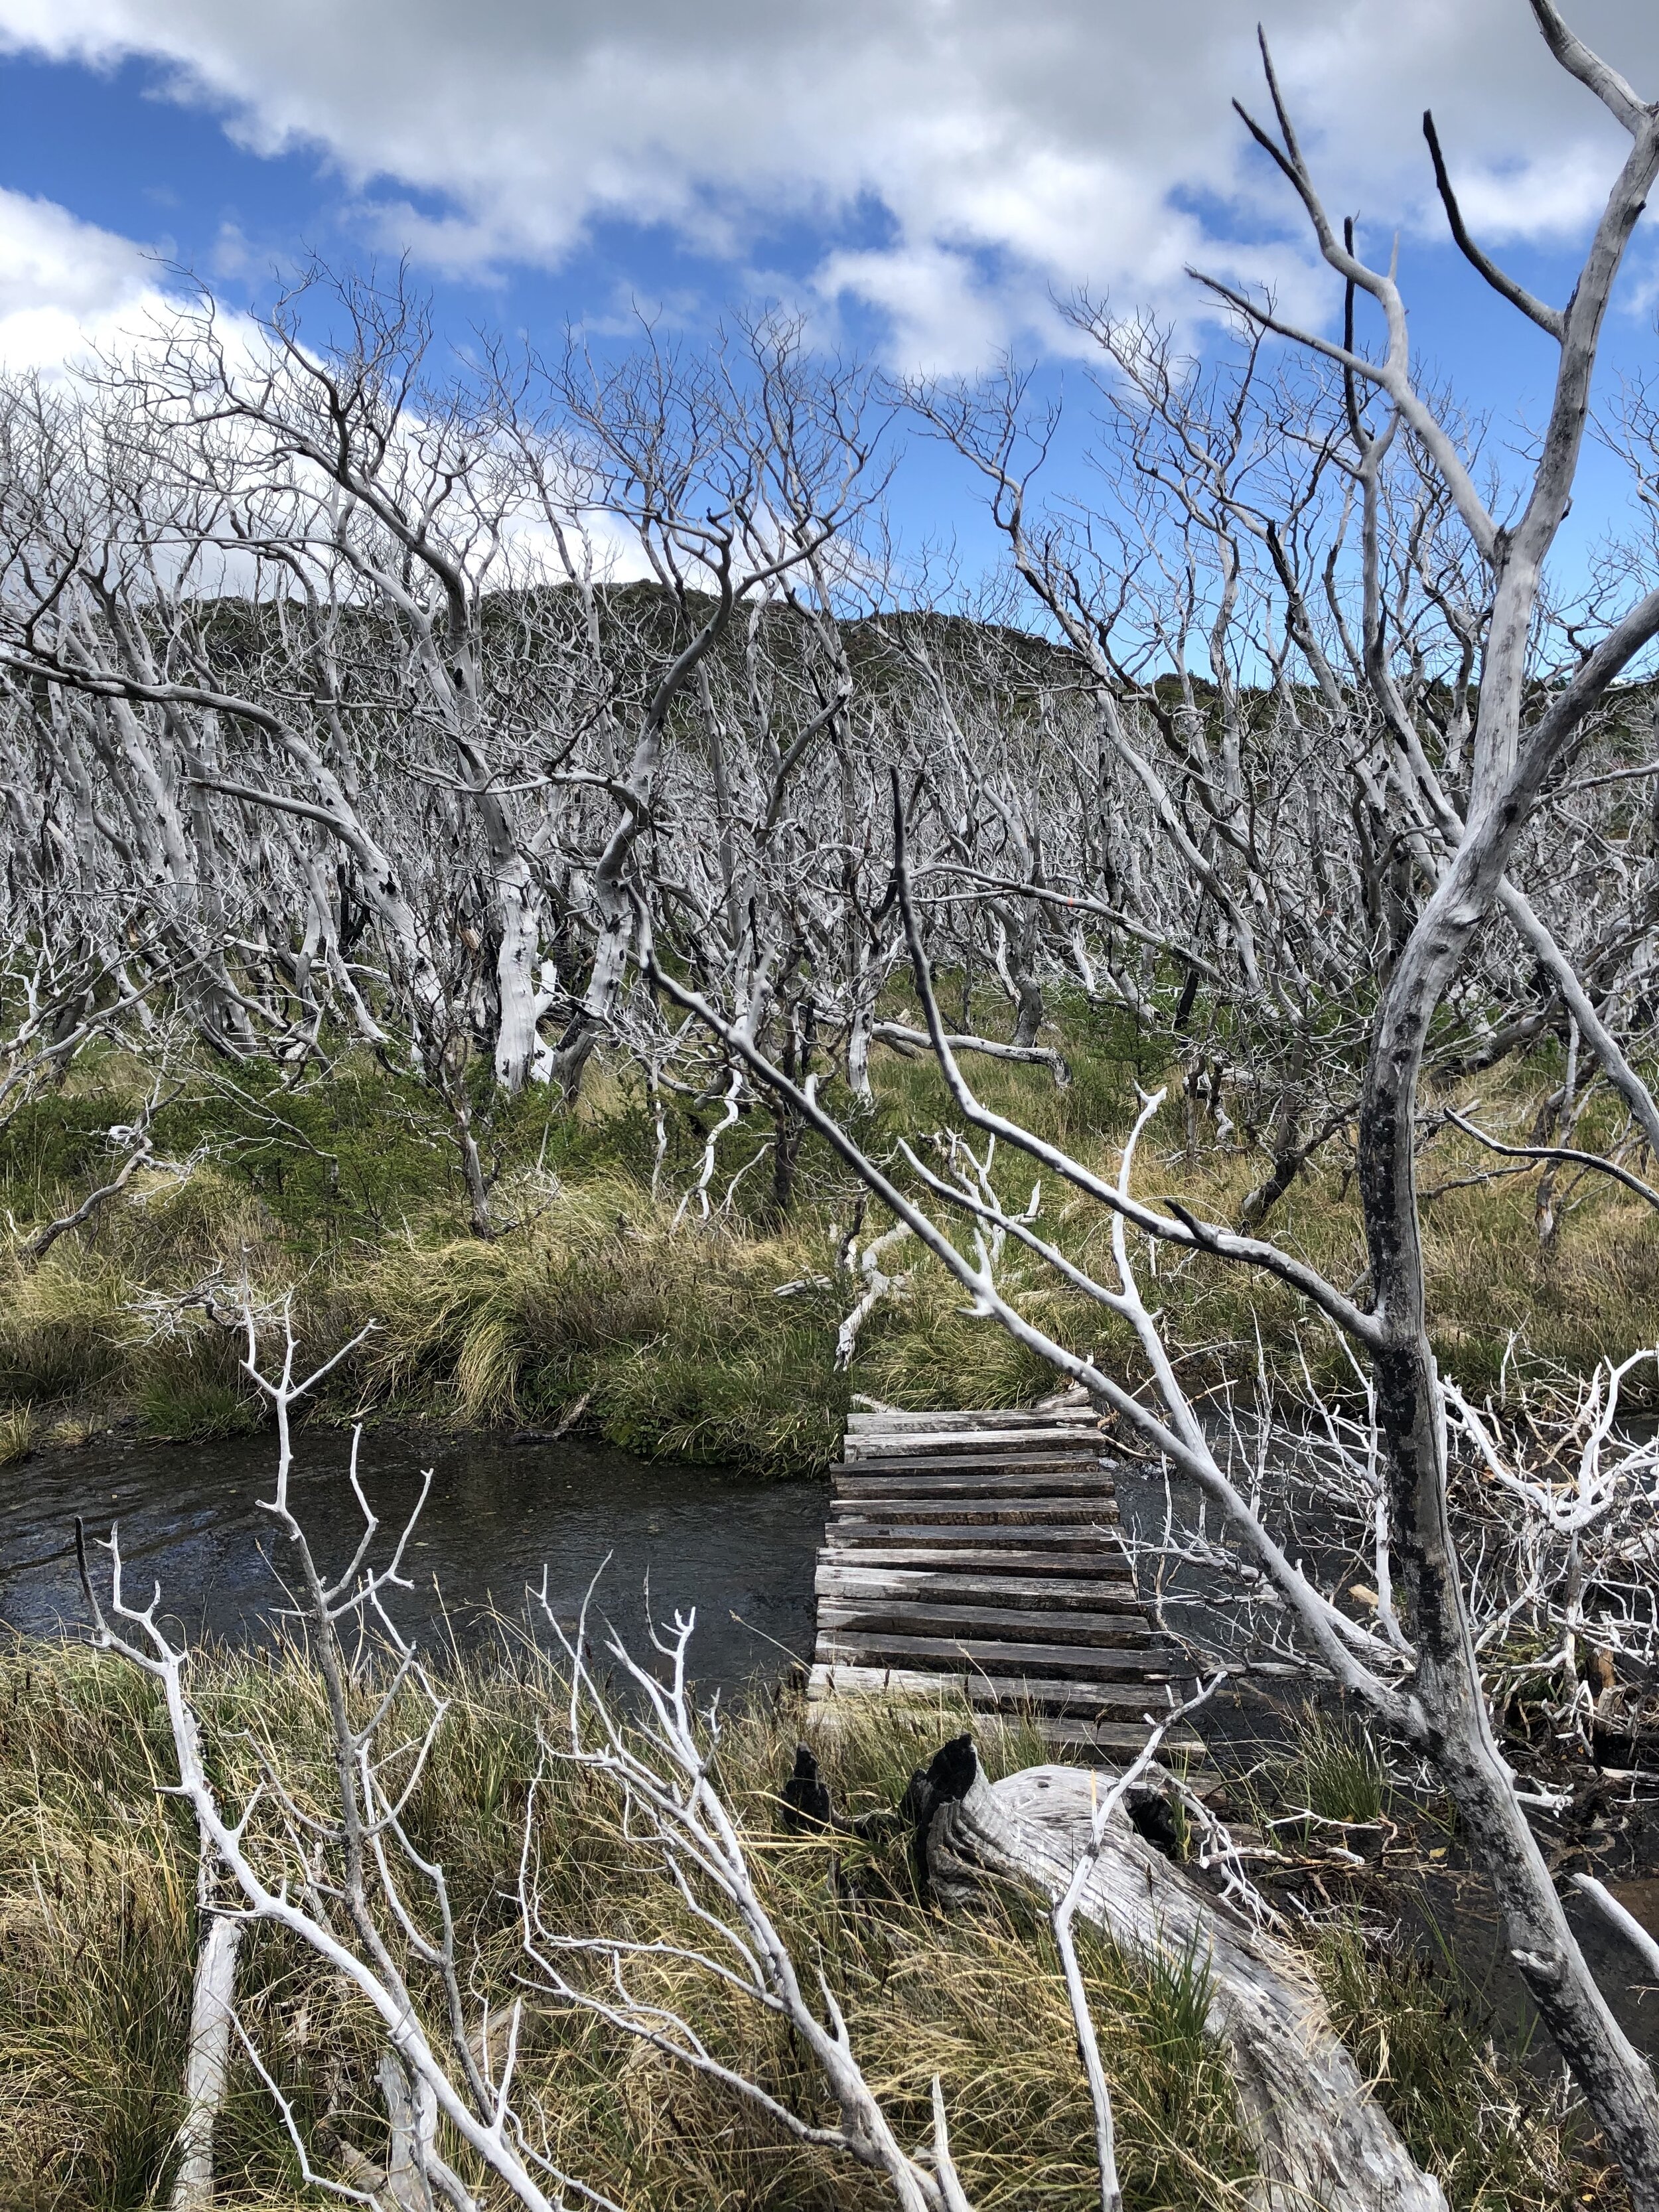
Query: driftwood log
1322,2141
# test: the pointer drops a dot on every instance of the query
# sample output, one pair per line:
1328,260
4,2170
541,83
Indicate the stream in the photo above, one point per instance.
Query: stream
740,1550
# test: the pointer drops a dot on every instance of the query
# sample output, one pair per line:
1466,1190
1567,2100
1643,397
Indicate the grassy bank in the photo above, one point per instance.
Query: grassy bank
97,1883
665,1329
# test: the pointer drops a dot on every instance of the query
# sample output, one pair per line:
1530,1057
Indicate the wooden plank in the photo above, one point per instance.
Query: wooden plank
1103,1561
976,1436
1081,1663
1012,1487
955,1466
905,1615
997,1694
989,1444
1124,1739
873,1465
1091,1502
1088,1512
948,1463
1015,1417
964,1598
984,1437
1082,1470
1037,1538
839,1582
1082,1507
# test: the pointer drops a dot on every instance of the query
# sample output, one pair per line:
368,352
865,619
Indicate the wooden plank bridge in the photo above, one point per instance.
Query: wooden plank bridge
980,1552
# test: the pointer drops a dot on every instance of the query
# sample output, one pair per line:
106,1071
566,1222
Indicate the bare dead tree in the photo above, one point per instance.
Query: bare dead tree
349,1883
1421,1677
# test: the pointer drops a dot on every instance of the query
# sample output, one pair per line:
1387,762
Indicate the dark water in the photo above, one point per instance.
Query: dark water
739,1550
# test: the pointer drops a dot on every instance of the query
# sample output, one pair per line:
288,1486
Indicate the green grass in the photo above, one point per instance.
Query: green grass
20,1432
341,1190
1498,2136
176,1407
1333,1770
95,1972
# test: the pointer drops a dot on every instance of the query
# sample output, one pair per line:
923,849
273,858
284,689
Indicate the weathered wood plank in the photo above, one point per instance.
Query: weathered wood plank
1085,1502
839,1581
1009,1693
925,1441
1124,1737
1030,1434
1079,1662
969,1553
1062,1466
1086,1512
1020,1537
983,1417
899,1614
876,1479
1081,1497
1082,1469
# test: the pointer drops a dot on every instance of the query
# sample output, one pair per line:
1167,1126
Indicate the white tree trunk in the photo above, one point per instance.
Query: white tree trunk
207,2066
1321,2138
406,2185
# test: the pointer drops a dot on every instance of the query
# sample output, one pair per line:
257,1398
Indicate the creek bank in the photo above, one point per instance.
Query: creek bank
741,1549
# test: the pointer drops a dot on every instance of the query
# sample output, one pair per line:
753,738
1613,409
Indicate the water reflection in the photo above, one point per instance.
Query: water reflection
496,1515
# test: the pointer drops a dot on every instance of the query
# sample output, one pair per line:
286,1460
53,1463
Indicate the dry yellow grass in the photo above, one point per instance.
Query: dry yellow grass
97,1876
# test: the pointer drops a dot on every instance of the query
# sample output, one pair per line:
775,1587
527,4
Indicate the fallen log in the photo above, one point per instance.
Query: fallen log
1323,2143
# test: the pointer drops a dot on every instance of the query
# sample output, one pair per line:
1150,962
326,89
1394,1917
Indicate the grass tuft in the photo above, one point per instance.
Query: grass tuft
98,1874
179,1407
1499,2137
1333,1770
19,1433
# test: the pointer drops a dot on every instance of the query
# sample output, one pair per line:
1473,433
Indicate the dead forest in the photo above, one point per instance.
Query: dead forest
558,743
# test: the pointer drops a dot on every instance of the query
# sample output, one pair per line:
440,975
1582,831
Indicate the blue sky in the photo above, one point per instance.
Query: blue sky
921,176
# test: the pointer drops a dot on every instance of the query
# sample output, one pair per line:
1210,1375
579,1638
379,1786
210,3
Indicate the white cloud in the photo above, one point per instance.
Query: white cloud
65,284
1010,151
942,319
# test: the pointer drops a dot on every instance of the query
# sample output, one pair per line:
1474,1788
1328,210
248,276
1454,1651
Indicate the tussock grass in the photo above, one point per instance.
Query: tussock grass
19,1433
94,1974
1497,2137
671,1335
1331,1770
98,1875
178,1406
66,1328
